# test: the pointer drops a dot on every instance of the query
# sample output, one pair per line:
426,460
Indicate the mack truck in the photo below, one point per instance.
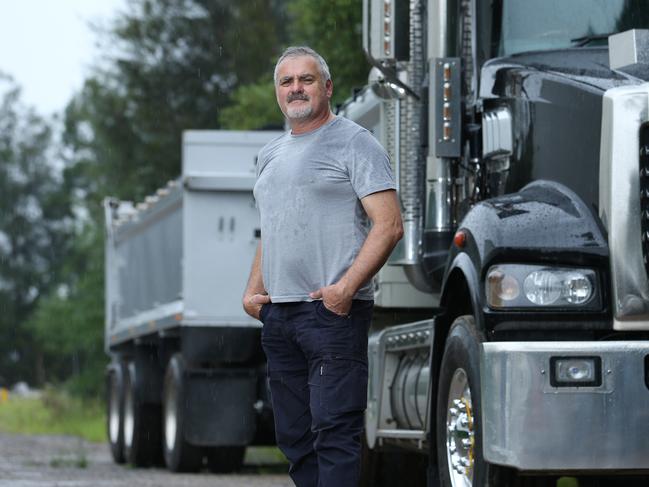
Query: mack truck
519,134
186,380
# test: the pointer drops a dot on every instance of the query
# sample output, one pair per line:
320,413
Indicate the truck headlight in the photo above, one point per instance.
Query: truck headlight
527,286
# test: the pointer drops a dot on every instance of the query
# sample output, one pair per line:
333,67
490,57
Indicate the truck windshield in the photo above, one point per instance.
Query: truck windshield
532,25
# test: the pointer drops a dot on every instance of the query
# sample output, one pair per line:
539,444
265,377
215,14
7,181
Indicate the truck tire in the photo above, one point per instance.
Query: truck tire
225,459
459,427
179,455
141,422
115,412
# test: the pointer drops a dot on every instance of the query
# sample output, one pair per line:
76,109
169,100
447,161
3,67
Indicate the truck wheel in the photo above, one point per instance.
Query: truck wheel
115,412
459,428
141,422
225,459
179,455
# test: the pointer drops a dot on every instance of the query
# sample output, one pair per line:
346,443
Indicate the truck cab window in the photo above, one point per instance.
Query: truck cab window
529,25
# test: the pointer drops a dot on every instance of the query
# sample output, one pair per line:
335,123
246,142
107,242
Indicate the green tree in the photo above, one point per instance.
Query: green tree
253,107
68,323
35,223
178,62
174,66
333,28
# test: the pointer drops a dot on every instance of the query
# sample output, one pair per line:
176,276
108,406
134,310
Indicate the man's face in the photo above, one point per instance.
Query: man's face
301,92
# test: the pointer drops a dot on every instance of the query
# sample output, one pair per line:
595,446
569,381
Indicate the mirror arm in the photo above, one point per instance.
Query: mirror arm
390,75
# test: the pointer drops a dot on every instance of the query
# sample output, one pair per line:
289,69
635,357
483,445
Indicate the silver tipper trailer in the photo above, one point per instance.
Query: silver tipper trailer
186,379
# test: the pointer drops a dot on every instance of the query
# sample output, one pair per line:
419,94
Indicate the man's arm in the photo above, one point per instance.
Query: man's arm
383,210
255,295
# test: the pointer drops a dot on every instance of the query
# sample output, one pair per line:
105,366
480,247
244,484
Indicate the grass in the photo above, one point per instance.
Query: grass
54,413
262,455
80,461
567,482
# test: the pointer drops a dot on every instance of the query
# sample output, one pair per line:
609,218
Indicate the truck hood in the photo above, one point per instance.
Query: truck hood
586,65
555,100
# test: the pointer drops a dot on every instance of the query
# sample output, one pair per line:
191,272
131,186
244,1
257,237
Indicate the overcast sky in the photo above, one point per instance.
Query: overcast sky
48,45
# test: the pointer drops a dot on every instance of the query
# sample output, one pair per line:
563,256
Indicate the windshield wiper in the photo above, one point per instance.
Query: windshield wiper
585,40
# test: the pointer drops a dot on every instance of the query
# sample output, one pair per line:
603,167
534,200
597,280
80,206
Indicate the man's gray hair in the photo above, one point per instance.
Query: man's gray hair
299,51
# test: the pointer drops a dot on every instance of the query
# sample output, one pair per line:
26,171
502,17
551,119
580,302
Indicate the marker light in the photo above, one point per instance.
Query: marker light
502,287
387,28
459,239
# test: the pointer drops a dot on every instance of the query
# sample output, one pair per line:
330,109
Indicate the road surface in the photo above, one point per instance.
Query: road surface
64,461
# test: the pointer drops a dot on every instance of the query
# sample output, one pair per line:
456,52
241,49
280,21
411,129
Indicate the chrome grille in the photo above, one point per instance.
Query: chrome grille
644,193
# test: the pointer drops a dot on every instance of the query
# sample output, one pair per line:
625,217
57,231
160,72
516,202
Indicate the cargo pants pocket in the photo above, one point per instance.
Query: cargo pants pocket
343,384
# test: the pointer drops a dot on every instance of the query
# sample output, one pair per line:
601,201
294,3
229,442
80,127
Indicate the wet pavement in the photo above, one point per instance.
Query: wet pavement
64,461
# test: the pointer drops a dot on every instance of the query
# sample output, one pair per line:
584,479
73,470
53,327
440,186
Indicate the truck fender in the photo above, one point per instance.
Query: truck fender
461,289
544,222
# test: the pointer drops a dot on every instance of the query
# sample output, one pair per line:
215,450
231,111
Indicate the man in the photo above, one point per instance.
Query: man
318,188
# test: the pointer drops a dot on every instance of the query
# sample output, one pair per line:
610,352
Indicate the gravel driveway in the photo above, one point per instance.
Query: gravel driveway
63,461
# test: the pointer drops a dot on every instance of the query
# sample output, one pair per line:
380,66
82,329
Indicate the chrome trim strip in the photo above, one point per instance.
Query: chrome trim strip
405,434
497,139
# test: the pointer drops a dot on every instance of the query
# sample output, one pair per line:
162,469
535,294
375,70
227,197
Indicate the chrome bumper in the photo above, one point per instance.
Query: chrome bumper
530,425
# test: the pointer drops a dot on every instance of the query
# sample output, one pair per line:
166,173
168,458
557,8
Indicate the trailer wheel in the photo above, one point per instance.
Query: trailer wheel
459,422
115,412
179,455
141,422
225,459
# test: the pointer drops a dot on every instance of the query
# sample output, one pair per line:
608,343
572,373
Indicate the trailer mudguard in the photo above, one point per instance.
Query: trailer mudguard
221,411
545,222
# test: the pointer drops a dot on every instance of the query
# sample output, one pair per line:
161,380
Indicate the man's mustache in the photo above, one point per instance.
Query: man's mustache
297,96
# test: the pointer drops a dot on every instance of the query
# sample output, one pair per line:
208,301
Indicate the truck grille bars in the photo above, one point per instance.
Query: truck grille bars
644,192
624,201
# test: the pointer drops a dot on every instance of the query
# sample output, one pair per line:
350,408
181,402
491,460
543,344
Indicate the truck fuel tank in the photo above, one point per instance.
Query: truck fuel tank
399,386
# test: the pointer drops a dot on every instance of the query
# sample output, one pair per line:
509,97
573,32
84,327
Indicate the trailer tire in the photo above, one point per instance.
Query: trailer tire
115,412
225,459
141,422
459,413
179,455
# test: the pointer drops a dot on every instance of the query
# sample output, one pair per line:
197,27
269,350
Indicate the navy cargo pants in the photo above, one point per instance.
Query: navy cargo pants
317,371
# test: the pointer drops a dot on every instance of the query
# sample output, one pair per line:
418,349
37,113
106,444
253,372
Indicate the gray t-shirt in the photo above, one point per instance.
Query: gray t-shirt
308,192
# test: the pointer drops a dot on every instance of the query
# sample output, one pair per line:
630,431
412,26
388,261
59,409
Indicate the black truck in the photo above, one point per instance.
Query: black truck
519,131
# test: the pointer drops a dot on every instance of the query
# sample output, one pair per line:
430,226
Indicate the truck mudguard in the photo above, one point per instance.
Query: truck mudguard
545,222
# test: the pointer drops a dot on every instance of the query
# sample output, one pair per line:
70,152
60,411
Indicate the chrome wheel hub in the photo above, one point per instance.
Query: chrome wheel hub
129,416
113,412
170,420
460,435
